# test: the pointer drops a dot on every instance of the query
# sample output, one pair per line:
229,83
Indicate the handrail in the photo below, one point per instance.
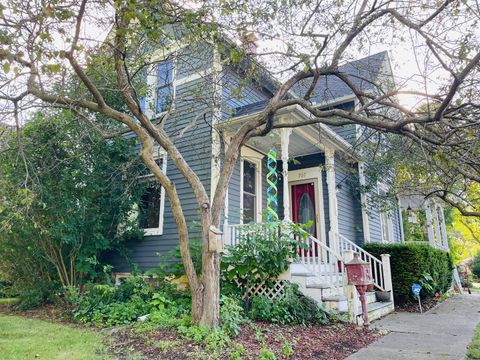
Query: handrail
376,264
323,262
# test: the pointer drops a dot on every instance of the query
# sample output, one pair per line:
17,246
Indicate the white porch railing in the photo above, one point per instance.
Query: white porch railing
376,264
315,256
232,234
323,262
326,263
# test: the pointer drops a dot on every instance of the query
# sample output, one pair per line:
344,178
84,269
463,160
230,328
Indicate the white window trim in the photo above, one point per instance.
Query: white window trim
254,157
389,237
160,153
151,103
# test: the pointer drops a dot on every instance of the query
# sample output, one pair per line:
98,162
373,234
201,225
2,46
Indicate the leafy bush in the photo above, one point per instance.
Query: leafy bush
231,315
476,265
65,200
410,262
171,262
264,252
293,308
108,305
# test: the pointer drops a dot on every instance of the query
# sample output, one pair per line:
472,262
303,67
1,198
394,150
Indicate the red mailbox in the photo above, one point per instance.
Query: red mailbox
359,272
359,275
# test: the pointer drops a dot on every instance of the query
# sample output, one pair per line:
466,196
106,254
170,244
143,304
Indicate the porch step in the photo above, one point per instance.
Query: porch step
335,302
371,298
375,310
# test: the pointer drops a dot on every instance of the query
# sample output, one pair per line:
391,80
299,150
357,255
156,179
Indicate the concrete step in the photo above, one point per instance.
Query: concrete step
375,310
335,302
370,296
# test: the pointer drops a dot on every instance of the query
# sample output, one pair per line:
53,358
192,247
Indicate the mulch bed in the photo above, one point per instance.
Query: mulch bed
334,341
414,308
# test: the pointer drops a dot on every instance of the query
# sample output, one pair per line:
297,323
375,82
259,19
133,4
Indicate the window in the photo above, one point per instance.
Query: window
150,209
387,226
249,192
386,222
164,91
250,185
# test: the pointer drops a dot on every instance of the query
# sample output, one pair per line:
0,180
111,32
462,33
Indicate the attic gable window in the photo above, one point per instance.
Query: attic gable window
150,209
164,90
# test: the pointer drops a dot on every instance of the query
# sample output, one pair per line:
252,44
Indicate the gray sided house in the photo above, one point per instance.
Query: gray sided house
318,168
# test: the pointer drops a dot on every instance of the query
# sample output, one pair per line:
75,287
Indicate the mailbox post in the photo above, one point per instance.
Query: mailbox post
359,275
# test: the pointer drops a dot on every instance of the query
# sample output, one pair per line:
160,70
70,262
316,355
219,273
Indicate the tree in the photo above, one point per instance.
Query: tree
310,40
65,206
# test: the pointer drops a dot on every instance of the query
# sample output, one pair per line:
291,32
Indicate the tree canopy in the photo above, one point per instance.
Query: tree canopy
45,47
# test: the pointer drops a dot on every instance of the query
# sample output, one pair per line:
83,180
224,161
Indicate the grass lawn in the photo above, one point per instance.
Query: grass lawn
22,338
8,301
473,351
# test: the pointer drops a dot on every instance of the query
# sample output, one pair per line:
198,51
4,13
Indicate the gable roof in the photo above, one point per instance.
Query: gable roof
364,73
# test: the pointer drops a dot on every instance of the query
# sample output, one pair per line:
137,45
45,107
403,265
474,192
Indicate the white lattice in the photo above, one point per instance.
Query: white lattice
273,291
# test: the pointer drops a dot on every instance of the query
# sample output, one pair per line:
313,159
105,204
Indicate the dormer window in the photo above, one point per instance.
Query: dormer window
164,90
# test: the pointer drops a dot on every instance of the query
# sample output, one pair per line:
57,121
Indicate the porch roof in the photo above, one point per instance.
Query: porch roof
304,140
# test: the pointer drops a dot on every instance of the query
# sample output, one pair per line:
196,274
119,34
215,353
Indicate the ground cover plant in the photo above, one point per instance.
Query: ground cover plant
414,263
256,341
107,305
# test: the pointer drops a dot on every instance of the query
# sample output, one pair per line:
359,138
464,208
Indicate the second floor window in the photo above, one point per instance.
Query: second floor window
164,86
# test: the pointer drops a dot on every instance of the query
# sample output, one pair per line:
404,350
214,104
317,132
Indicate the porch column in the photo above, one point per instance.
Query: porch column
332,198
363,201
428,213
284,141
436,222
443,228
226,232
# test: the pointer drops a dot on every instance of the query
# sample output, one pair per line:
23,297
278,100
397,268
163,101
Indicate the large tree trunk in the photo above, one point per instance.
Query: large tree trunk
211,289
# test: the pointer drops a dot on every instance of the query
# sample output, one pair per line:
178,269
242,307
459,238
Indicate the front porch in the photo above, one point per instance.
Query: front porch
308,189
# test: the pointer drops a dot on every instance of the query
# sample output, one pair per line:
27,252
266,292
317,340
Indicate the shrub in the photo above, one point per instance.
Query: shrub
476,265
108,305
261,258
293,308
410,263
63,203
171,262
231,315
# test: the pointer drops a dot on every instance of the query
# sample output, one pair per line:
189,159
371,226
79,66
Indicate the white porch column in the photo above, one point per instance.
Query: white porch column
332,198
428,213
436,223
284,142
443,228
387,274
363,201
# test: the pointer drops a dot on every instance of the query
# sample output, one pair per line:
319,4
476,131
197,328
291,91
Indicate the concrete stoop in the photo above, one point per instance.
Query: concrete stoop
327,296
376,310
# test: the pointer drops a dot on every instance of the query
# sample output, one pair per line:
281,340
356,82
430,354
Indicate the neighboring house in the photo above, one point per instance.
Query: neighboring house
427,215
317,165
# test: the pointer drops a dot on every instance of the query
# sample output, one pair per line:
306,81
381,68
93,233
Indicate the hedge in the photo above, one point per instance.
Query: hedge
409,261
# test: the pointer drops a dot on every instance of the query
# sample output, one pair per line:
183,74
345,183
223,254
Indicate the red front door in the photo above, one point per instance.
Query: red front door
303,206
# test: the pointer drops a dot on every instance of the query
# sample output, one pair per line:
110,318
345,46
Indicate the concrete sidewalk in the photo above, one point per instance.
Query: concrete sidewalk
442,333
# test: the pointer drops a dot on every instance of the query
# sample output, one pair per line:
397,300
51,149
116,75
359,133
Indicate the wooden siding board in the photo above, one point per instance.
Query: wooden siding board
350,222
196,148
